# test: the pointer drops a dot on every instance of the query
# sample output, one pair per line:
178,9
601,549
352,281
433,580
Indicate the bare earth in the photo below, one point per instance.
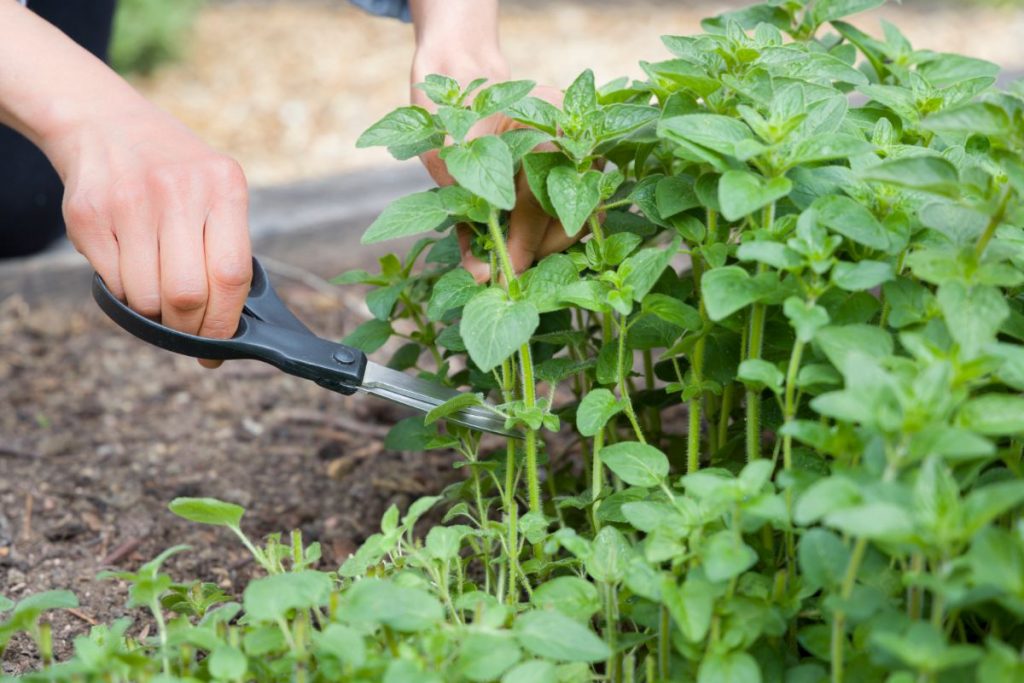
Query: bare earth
287,87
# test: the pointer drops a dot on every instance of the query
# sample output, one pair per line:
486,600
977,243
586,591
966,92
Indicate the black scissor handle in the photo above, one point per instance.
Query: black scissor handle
267,331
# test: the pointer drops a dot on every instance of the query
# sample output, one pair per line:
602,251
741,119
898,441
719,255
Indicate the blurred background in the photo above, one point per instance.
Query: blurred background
286,87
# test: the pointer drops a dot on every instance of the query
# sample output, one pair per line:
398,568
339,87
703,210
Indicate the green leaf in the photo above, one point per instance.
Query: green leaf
993,414
635,463
409,215
574,196
806,318
403,126
691,606
830,10
741,193
523,140
982,118
581,97
570,595
453,405
759,374
642,270
555,636
538,166
227,663
500,96
673,311
974,315
675,194
534,671
861,276
486,656
922,173
825,496
208,511
457,121
983,505
734,667
725,555
720,134
773,254
878,521
823,558
827,147
838,342
851,220
545,282
343,643
594,411
452,290
483,166
494,327
369,336
609,557
403,608
727,290
273,597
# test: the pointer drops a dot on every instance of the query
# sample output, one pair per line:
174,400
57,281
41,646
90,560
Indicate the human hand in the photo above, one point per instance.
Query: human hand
160,216
459,39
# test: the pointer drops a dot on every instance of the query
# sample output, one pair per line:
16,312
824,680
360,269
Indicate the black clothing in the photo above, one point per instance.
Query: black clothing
30,191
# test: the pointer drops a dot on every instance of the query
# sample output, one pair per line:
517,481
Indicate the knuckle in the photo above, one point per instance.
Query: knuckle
168,180
231,272
227,173
186,296
84,210
127,194
146,304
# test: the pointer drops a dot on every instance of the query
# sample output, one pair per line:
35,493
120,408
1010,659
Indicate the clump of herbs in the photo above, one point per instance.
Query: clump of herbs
787,362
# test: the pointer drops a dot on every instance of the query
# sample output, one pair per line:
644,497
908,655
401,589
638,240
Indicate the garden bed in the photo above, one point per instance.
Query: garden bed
101,431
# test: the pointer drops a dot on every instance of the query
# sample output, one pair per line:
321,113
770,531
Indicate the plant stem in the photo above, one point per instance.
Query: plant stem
754,350
597,477
624,393
724,414
993,225
611,621
839,618
494,229
789,413
697,371
664,644
530,401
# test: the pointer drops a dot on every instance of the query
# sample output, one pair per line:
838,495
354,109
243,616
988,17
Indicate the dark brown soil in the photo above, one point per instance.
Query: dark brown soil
98,432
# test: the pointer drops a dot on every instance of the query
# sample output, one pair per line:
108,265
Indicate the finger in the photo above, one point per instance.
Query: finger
138,250
183,286
92,234
555,240
228,257
480,270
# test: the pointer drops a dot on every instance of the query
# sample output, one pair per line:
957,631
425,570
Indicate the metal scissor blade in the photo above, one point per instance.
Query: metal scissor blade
424,396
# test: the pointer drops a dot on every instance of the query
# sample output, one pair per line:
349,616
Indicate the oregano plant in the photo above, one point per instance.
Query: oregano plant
770,404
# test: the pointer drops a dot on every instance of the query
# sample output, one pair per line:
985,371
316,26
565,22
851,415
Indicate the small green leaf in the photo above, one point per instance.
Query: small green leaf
806,318
878,521
553,635
635,463
725,555
494,327
691,606
453,405
923,173
452,290
570,595
610,554
208,511
727,290
640,272
596,408
486,656
484,166
823,558
851,220
369,336
673,311
974,315
741,193
574,196
273,597
403,608
734,667
581,97
534,671
500,96
994,414
409,215
343,643
403,126
227,662
861,276
759,374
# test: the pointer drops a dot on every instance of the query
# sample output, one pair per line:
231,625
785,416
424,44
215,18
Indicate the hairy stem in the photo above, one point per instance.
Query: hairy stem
839,618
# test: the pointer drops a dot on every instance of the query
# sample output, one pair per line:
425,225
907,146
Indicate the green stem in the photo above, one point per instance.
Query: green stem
993,225
754,350
494,228
624,392
530,401
664,644
839,618
597,477
611,624
725,414
789,409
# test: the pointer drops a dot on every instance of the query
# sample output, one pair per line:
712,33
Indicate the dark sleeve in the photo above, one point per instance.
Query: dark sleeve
397,9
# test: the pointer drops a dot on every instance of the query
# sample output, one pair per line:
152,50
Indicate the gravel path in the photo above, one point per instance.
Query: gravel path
287,87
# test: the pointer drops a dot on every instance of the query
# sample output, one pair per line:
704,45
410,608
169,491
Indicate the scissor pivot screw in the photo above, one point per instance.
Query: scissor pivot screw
344,356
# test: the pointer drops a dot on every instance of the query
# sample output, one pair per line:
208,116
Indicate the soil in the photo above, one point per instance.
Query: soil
99,431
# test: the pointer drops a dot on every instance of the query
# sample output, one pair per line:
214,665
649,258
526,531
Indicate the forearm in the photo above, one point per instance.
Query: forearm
48,84
457,38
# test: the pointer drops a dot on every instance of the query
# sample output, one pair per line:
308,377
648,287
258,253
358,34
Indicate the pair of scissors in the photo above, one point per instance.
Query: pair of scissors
268,331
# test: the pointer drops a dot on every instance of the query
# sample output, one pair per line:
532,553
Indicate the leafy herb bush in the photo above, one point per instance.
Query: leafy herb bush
784,370
148,33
